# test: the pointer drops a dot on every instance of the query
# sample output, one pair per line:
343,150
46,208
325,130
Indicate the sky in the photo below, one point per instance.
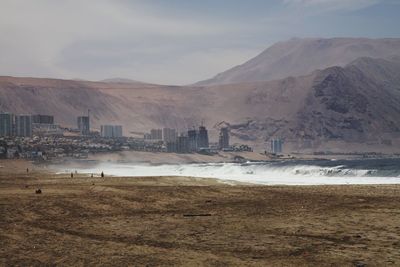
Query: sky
170,41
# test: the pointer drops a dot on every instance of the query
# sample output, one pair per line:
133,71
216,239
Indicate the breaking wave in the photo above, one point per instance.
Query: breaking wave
314,172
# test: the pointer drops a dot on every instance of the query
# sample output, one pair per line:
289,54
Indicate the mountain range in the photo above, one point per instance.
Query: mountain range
340,94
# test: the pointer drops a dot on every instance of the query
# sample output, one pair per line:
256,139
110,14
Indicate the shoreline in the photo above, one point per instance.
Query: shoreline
185,172
279,172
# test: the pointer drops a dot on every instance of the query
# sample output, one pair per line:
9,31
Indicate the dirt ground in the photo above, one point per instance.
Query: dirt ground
156,221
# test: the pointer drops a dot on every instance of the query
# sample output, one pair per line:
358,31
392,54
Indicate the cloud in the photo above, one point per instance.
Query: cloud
175,41
180,60
95,39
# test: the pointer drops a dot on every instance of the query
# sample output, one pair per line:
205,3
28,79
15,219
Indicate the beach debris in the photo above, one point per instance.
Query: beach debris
197,215
38,191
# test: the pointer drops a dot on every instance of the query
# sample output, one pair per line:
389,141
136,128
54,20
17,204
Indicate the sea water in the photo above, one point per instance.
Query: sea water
290,172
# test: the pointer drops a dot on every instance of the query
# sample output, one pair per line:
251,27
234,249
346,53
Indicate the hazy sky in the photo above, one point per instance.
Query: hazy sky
170,41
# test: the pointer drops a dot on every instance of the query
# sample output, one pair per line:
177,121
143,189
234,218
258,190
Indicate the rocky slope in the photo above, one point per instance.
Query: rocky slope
303,56
357,103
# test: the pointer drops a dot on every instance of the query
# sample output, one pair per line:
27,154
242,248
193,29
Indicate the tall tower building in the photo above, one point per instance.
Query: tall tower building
182,144
169,135
117,131
43,119
224,138
84,125
202,140
156,134
192,140
276,146
111,131
23,125
6,124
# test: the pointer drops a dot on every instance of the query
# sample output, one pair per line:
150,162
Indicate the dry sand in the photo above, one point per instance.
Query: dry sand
185,221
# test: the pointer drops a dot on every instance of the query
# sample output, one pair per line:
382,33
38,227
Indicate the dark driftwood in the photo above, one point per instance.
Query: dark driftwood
197,215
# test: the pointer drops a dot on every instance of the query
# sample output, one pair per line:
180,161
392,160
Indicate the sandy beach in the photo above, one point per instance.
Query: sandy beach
188,221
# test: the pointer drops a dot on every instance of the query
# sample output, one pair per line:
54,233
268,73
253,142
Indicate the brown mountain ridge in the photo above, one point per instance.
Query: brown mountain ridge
298,56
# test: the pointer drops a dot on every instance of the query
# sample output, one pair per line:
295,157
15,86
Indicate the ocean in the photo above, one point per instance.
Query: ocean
285,172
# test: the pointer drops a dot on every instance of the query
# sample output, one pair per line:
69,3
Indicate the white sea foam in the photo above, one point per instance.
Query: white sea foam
251,173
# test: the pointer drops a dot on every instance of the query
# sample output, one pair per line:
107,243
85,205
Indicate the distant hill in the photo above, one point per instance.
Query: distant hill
302,56
119,80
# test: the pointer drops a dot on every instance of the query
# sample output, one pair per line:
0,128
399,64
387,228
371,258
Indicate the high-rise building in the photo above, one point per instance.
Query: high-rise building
147,136
202,140
168,135
192,139
106,131
6,124
23,125
171,147
84,125
118,131
43,119
182,144
224,138
43,125
111,131
156,134
276,146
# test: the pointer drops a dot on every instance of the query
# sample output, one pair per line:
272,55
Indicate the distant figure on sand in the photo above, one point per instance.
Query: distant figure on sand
91,175
72,175
27,170
102,174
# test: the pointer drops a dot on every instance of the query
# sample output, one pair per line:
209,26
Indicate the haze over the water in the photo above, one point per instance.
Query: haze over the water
170,42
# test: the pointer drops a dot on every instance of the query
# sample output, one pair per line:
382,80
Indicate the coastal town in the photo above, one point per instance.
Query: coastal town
38,137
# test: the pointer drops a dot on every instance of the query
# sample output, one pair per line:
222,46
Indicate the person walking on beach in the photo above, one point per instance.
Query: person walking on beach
72,175
102,174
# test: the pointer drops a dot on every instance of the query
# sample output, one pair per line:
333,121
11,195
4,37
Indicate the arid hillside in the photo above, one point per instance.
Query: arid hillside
351,108
302,56
137,106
